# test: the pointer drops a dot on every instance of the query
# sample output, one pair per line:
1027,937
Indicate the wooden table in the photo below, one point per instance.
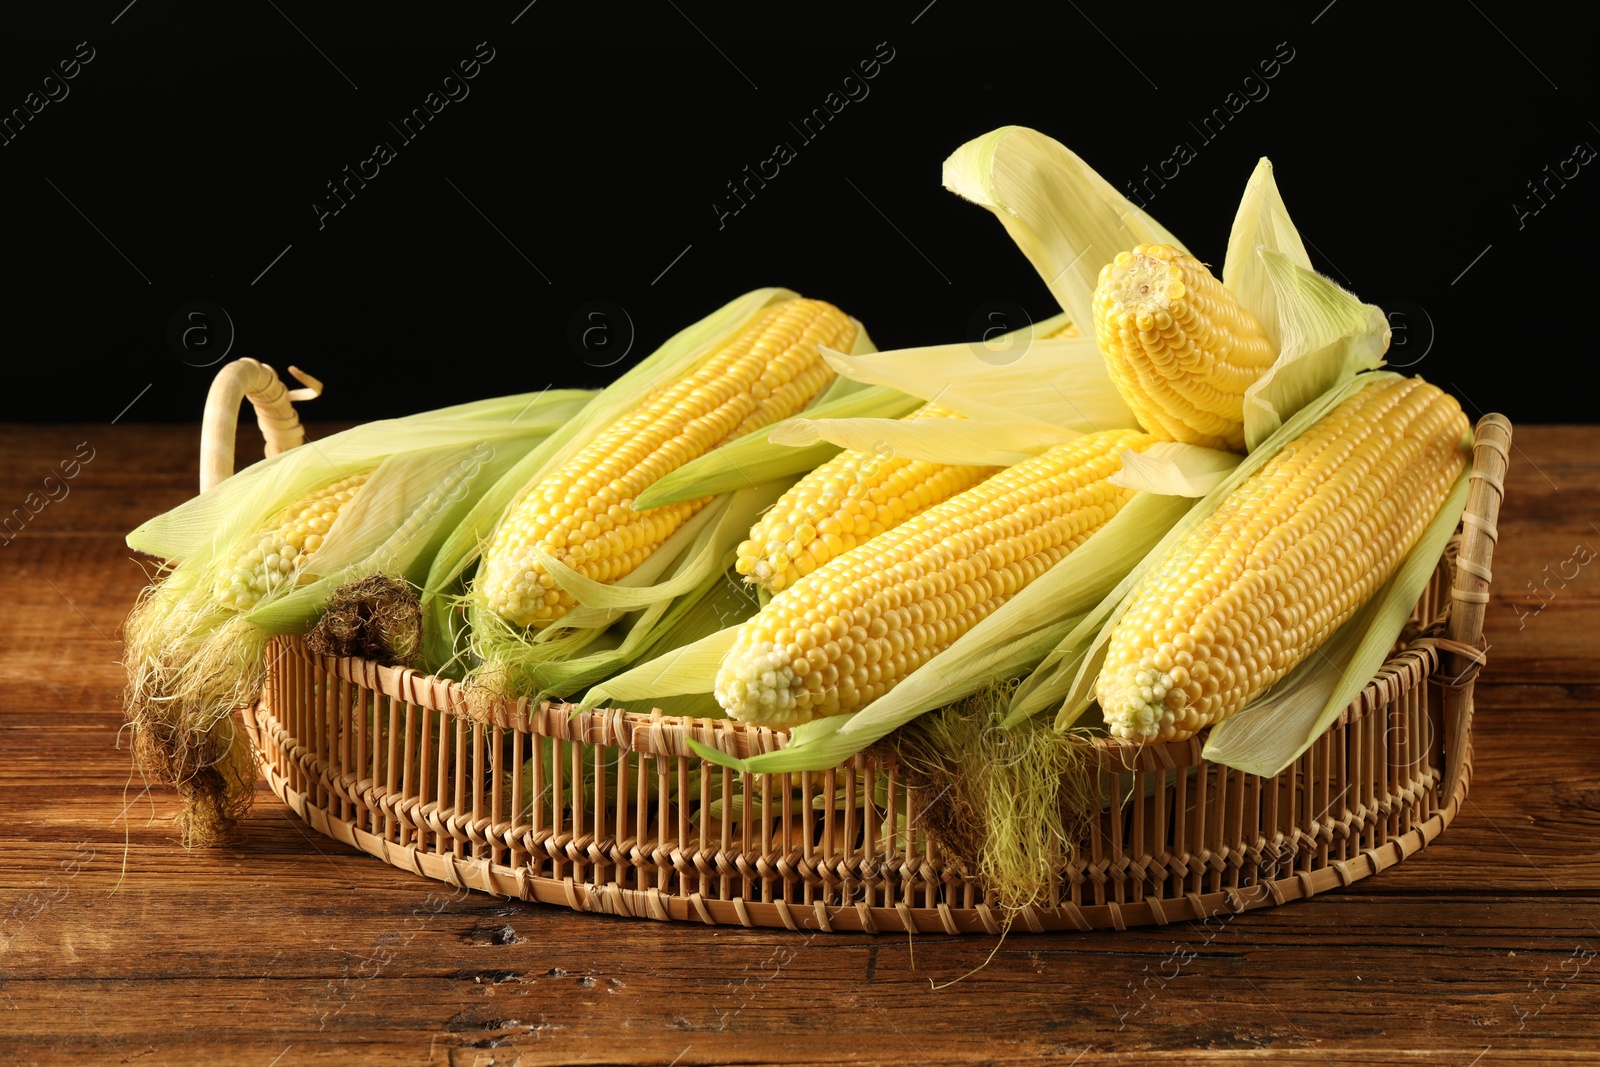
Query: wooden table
287,948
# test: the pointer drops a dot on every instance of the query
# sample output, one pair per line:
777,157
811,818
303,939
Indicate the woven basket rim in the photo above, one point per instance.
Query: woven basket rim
666,734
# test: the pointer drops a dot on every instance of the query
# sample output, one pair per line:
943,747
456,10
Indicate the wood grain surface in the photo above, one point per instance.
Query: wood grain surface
286,948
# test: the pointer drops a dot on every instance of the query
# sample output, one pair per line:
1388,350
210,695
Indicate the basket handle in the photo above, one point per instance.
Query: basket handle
1470,591
275,414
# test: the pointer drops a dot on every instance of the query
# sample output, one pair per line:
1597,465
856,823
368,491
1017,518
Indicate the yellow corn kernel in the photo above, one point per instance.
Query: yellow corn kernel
1284,560
582,514
847,633
1181,350
855,496
285,546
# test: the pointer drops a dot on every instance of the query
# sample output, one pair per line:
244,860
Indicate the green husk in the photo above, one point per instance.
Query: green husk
1273,730
1067,219
240,504
753,459
631,621
1172,468
958,442
192,659
1327,337
1010,804
1262,221
1052,383
668,675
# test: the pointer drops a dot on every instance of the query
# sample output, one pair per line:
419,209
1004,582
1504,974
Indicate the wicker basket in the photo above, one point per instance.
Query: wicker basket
617,815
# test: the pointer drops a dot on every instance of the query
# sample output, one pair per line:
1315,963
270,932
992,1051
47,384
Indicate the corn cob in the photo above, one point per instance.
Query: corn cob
850,499
284,546
582,514
855,627
1181,350
1283,561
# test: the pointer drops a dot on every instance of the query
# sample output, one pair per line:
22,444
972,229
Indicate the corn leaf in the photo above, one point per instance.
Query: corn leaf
1328,336
214,520
566,675
1172,468
1261,222
392,527
550,662
959,442
691,668
753,459
1054,382
1086,645
726,523
1068,220
1271,733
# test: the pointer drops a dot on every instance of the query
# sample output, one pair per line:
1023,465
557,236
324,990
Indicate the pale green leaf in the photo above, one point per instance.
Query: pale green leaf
705,538
600,603
682,671
1068,220
214,520
753,459
1172,468
958,442
1261,222
1328,336
1051,381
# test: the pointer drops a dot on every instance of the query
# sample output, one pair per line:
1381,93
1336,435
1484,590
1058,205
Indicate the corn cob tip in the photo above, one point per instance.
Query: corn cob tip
1144,284
1154,703
1180,348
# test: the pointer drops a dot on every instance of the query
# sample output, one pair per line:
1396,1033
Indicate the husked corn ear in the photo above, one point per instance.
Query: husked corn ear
1284,560
284,547
1181,350
847,633
850,499
582,514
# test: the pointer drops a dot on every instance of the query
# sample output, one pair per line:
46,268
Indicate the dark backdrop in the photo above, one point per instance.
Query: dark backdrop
185,168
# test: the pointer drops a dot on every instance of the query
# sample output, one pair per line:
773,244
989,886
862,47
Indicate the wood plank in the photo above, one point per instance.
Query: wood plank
284,947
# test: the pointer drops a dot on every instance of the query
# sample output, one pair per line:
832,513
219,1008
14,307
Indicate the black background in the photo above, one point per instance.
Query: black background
585,163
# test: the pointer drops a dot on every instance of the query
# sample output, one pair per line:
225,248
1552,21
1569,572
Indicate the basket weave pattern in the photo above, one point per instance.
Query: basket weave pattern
612,812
